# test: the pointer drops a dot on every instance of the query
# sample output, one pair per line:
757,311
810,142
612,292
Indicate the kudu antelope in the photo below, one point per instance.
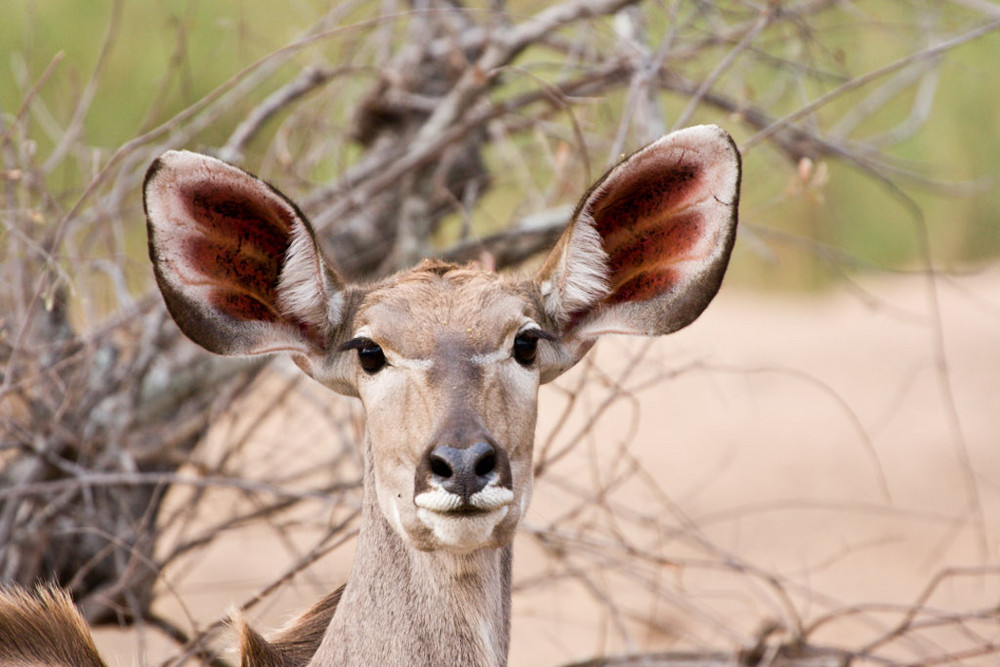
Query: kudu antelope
446,360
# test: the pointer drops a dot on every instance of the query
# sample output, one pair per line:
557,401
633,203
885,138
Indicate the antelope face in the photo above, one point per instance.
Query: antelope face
448,371
446,360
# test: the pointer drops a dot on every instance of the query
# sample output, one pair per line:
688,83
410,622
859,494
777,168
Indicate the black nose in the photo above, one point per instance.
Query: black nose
467,470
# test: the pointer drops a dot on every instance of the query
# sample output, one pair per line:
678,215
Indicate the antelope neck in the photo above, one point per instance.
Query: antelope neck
404,606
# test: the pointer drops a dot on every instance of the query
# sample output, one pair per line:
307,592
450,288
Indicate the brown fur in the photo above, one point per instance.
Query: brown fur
44,629
293,646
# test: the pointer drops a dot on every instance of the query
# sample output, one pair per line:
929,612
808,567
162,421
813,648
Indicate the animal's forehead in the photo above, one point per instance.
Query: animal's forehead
415,312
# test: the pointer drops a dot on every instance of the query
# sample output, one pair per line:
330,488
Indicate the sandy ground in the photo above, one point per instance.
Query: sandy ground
806,454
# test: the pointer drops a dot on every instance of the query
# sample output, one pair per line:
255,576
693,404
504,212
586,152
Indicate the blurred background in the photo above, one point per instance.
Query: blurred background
813,463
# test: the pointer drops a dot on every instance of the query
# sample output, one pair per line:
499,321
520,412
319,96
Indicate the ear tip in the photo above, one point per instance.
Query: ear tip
709,137
167,161
182,159
706,130
718,148
152,172
175,165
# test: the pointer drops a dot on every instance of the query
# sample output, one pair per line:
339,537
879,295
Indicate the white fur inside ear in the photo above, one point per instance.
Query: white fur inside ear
303,289
582,280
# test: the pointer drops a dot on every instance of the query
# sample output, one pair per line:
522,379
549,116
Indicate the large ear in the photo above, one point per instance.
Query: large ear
236,261
648,245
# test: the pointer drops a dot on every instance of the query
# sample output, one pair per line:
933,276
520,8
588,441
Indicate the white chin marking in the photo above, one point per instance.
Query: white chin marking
462,531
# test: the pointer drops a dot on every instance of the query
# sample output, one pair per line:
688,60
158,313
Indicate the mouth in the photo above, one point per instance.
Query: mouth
463,524
489,499
465,510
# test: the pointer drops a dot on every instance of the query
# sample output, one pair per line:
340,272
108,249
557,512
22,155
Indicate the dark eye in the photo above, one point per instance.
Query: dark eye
525,346
371,357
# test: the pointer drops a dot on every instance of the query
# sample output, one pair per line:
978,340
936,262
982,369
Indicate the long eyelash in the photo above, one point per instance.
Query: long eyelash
355,343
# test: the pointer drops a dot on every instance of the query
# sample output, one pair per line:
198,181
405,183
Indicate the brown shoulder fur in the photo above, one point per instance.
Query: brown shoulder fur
292,647
44,629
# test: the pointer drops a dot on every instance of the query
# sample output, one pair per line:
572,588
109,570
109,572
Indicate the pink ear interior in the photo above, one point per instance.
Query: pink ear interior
646,230
666,220
223,245
237,244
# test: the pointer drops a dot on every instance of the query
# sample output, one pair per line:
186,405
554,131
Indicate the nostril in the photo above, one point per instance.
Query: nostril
463,471
486,464
440,467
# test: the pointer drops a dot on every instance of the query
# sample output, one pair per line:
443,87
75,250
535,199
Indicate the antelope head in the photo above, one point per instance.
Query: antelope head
447,360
